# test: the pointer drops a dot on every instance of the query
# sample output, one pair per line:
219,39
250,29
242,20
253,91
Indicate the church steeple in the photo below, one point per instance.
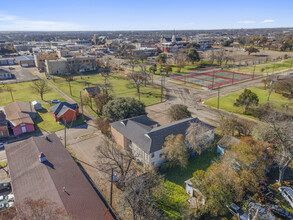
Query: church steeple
173,37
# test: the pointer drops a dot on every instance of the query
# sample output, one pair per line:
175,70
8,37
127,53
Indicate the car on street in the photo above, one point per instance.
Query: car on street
287,193
11,68
2,144
5,186
55,101
6,205
7,198
277,210
237,211
257,209
123,63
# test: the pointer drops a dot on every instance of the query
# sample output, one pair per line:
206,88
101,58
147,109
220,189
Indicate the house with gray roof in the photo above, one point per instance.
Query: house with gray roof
146,137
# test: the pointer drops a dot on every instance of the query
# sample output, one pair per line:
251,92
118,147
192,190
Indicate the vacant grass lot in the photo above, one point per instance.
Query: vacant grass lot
45,122
23,92
227,101
263,69
121,87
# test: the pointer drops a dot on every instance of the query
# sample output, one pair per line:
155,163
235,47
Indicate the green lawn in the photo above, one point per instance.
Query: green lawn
23,92
121,87
227,101
45,122
178,175
175,196
268,67
174,199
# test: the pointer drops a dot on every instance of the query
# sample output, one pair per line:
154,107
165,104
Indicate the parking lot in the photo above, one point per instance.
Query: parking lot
21,74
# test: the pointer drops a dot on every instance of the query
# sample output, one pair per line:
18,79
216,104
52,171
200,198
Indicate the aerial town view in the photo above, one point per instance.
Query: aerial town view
146,110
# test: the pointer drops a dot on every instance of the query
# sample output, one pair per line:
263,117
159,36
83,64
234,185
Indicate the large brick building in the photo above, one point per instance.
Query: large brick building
146,137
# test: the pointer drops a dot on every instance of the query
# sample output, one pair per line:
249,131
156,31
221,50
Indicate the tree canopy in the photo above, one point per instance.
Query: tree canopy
123,107
246,99
178,112
176,150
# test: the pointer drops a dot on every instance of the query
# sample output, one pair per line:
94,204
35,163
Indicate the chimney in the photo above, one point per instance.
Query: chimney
42,157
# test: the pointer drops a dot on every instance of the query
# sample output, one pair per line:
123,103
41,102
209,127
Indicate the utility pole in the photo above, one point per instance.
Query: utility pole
10,90
81,103
65,134
162,90
253,72
111,191
69,87
218,97
233,78
213,80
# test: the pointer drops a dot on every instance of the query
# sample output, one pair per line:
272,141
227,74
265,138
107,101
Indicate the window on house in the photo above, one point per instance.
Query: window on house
152,155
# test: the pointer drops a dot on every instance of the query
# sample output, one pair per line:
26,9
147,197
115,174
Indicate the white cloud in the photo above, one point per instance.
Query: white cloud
268,21
246,22
14,23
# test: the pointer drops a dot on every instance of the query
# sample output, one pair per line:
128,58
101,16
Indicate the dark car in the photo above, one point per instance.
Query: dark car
281,212
5,186
237,211
55,101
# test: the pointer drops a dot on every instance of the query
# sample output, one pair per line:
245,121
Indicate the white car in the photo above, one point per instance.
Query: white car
6,205
287,193
7,198
2,144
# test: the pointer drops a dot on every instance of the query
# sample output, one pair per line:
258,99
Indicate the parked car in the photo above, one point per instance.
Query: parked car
287,193
281,212
55,101
5,186
262,212
123,63
6,205
237,211
7,198
11,68
2,144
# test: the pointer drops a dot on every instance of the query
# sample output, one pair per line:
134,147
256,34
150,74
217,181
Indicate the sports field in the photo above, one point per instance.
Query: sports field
214,79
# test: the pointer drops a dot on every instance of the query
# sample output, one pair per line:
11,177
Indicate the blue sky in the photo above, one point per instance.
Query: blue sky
95,15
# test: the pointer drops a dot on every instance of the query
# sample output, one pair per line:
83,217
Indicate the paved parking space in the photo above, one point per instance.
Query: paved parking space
21,74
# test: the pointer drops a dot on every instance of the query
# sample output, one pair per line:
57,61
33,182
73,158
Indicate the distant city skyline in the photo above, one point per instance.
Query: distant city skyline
90,15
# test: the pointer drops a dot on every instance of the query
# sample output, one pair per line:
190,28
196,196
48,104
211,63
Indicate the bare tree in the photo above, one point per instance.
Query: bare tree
181,60
110,156
36,210
40,87
197,137
138,78
142,193
278,130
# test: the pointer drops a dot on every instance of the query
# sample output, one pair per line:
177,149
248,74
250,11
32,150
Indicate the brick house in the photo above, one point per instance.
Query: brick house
20,116
146,137
64,112
3,125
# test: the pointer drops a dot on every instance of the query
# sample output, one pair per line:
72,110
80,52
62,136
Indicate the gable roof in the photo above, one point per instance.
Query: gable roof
142,132
228,141
3,121
18,112
63,107
35,180
92,91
